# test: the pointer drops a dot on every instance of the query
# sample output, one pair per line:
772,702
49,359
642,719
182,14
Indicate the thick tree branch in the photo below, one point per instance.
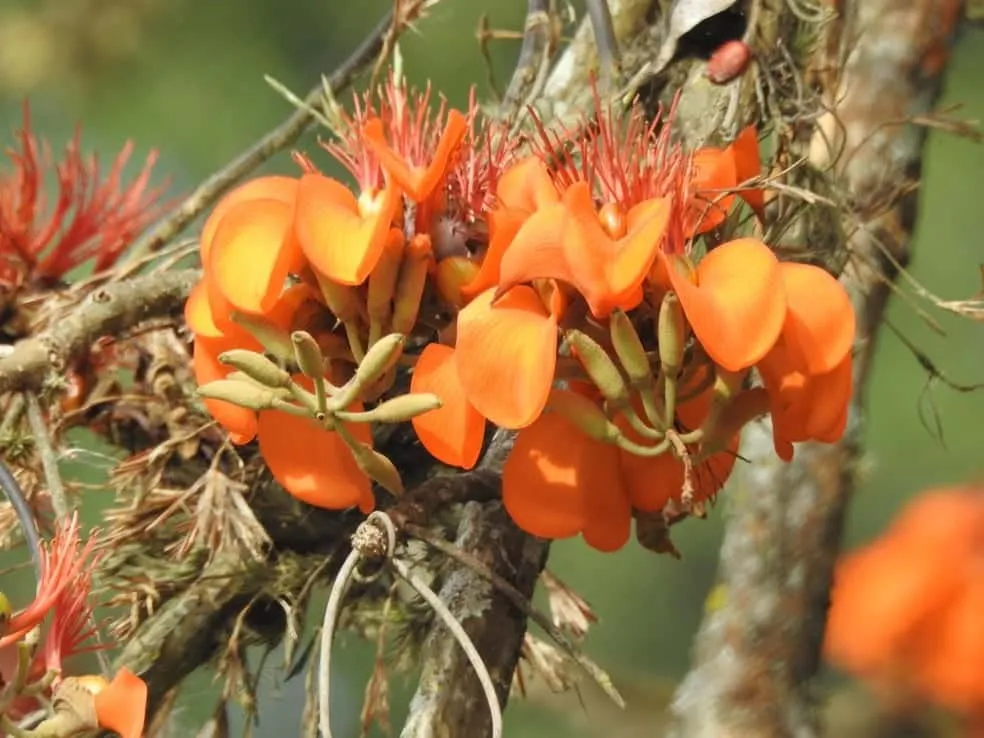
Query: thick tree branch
106,311
755,656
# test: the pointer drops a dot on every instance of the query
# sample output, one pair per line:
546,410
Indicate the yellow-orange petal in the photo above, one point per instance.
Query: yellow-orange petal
714,172
252,253
820,320
546,477
738,305
198,312
312,464
121,706
831,398
239,422
609,272
504,224
537,250
455,432
341,243
526,186
262,188
418,182
748,165
506,355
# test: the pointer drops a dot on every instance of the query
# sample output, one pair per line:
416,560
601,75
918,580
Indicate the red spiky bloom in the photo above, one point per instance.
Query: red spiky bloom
63,564
93,217
624,158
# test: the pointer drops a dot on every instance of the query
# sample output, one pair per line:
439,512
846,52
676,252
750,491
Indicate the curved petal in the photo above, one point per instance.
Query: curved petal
714,171
738,305
455,432
537,250
252,253
339,242
274,187
506,354
608,523
651,481
820,320
748,165
121,706
546,477
198,312
830,394
418,182
238,421
526,186
312,464
609,272
504,224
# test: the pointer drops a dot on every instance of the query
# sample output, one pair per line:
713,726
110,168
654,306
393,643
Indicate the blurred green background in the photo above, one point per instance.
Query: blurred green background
186,77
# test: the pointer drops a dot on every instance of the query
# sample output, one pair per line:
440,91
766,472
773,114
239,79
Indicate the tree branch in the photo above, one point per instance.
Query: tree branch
755,656
106,311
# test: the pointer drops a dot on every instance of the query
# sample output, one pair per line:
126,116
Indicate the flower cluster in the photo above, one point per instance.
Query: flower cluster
550,287
31,664
906,609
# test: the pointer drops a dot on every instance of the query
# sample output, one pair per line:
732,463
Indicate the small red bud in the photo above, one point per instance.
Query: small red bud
728,61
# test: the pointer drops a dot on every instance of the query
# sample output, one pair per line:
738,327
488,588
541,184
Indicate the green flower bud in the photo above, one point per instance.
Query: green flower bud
308,355
245,394
273,339
600,367
672,334
396,410
257,367
379,359
584,415
629,349
379,468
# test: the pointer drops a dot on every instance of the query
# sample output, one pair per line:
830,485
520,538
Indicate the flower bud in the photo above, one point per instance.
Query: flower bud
396,410
379,468
583,414
256,366
410,285
308,355
672,335
630,351
274,339
244,394
600,367
451,275
379,359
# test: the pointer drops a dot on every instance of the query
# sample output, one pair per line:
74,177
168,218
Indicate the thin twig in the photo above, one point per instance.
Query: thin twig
600,677
536,46
273,142
332,611
25,516
609,58
46,452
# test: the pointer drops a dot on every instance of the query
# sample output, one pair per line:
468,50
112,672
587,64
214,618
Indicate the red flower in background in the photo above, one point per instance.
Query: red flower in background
91,217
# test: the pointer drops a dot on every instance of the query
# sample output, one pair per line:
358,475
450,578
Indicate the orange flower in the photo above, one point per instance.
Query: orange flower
120,704
905,610
506,354
718,170
248,247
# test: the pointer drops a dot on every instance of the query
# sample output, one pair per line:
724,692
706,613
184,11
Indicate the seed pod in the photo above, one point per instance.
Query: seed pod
729,61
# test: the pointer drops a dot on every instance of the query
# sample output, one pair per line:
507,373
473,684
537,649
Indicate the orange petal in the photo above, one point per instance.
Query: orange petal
537,250
339,242
504,224
121,706
738,306
748,165
506,355
820,318
526,186
830,396
418,182
608,523
238,421
609,272
455,432
714,171
262,188
312,464
252,253
546,477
